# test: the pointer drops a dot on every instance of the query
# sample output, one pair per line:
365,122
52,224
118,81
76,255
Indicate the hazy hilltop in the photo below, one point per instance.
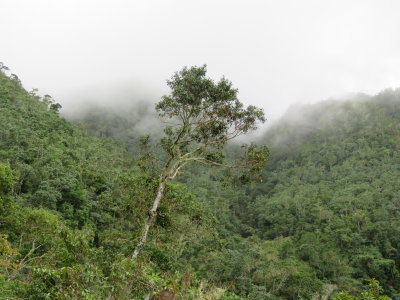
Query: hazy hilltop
324,217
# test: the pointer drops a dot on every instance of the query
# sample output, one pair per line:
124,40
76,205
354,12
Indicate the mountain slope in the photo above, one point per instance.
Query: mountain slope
326,213
71,210
325,216
333,189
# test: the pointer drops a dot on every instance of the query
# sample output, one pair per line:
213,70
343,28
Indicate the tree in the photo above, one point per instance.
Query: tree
201,116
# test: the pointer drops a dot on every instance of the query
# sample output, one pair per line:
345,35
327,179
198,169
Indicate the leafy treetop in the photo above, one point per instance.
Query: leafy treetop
202,116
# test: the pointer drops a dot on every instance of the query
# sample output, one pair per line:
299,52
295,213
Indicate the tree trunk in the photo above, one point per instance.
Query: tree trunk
152,215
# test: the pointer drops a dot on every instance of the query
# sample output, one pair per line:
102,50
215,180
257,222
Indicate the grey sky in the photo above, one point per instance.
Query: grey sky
276,52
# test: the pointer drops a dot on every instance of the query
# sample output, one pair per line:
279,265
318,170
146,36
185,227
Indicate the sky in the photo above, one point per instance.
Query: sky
277,53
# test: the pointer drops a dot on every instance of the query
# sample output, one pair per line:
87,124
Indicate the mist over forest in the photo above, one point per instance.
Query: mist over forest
316,215
134,103
199,150
132,109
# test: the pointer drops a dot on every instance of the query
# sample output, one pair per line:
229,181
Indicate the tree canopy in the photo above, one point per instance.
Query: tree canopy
201,117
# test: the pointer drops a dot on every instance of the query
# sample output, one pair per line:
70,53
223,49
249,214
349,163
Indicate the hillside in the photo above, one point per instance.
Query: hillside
72,207
332,189
324,217
326,214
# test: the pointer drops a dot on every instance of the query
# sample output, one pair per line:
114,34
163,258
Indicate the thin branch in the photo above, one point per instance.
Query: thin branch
22,264
176,171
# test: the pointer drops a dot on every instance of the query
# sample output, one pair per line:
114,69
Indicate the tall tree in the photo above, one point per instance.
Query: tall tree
201,116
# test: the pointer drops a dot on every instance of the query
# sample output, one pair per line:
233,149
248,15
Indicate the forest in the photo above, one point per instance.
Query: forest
321,220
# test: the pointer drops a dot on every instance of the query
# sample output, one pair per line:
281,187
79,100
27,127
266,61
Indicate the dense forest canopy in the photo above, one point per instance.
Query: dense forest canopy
324,218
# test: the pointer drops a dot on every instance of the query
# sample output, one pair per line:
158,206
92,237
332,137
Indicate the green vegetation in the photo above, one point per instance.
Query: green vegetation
334,191
202,116
323,220
373,292
72,208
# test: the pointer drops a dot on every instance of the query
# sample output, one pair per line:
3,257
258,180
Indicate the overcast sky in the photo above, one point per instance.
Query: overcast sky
275,52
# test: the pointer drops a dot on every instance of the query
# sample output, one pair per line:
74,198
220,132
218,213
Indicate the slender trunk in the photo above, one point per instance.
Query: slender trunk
152,215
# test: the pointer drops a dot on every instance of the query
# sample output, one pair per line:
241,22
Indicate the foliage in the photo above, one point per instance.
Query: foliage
324,218
70,206
7,178
333,190
373,292
202,117
327,203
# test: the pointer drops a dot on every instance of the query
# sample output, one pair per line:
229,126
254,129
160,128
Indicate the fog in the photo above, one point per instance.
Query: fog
133,103
277,53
